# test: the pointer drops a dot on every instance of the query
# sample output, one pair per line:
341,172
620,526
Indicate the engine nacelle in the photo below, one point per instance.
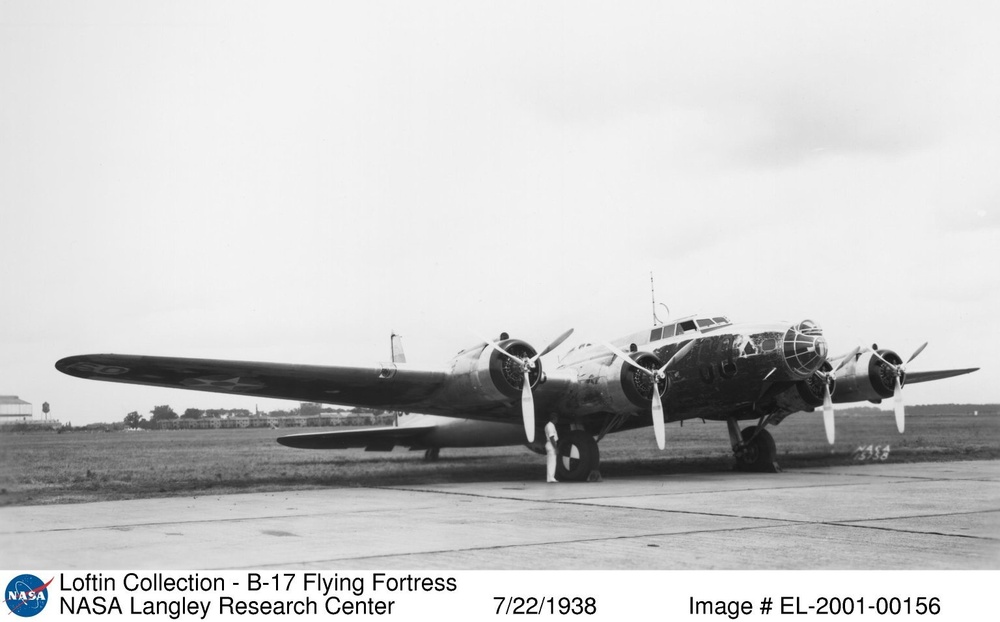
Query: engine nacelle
487,373
612,385
868,378
807,394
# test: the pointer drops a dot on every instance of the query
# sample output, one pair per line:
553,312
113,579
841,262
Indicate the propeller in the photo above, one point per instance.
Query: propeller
527,365
657,375
828,378
899,408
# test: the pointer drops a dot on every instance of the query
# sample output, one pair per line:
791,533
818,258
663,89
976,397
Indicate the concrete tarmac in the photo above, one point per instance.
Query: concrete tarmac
876,516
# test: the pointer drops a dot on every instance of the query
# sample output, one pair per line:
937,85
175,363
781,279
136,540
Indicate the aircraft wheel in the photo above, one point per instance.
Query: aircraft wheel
431,455
760,455
578,456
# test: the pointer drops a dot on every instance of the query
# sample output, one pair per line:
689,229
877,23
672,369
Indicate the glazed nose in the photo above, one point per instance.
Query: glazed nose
804,348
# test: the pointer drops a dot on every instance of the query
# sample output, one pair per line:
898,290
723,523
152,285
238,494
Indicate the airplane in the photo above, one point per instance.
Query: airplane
498,393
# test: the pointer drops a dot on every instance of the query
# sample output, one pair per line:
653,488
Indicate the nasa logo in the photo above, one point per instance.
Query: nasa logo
26,595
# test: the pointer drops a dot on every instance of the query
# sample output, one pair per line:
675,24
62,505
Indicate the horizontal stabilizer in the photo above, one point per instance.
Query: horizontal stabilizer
913,377
379,439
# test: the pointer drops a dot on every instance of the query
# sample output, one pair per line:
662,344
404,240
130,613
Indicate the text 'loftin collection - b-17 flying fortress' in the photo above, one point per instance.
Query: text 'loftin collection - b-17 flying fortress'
497,393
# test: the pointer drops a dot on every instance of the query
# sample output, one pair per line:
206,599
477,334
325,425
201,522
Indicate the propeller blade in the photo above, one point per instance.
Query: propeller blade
627,358
677,356
849,357
528,408
493,344
552,346
879,356
658,417
899,407
828,413
919,350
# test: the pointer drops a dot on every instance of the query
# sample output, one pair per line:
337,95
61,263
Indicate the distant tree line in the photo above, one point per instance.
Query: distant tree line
165,413
929,409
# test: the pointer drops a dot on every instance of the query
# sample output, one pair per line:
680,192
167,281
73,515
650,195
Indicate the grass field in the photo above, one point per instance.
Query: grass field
45,467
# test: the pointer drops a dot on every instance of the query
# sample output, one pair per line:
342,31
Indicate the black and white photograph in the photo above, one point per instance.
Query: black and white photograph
475,286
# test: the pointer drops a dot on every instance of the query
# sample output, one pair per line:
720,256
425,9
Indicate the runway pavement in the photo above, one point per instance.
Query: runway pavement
928,516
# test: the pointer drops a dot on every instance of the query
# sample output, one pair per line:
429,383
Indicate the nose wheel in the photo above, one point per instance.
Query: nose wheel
756,452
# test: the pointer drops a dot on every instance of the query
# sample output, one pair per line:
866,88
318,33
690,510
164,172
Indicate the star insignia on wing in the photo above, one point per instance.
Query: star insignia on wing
226,384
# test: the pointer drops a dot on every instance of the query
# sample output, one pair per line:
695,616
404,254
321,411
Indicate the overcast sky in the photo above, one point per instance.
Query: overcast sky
291,181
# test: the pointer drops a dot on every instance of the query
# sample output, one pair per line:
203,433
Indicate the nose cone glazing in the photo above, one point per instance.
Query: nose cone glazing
804,348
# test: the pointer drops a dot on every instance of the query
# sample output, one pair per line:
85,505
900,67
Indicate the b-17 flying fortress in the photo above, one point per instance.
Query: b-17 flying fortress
498,393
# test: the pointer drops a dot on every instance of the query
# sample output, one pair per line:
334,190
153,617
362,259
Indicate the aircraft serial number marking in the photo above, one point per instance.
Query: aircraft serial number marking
871,453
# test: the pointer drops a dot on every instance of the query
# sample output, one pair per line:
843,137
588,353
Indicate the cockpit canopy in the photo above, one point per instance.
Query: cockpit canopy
678,328
686,325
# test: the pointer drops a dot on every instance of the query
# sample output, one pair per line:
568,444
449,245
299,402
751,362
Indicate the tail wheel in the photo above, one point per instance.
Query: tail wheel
759,455
578,456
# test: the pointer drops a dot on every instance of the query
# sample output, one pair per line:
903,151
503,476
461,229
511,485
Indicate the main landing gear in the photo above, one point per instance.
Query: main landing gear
579,457
431,455
754,448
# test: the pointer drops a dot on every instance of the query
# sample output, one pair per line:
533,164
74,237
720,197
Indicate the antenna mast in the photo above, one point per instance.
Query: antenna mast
652,295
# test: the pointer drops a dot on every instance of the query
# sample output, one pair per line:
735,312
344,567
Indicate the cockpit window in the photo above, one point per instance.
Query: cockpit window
685,326
655,334
668,331
721,320
705,322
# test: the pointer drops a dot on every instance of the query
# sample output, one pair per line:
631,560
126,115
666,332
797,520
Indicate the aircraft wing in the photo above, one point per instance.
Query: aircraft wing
390,386
372,439
913,377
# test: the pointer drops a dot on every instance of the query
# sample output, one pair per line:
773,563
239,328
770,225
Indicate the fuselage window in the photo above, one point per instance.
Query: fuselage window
768,344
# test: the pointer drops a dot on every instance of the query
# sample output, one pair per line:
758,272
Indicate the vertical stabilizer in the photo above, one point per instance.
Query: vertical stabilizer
397,357
397,349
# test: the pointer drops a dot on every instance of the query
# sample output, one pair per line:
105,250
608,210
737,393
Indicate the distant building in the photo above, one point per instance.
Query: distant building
14,410
16,414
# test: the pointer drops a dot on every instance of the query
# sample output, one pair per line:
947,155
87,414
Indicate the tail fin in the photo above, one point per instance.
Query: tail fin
397,357
397,349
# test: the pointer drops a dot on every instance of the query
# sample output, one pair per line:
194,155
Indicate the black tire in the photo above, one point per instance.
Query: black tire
578,456
431,455
760,456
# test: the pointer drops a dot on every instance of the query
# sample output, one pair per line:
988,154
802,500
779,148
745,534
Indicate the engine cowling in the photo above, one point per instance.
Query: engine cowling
609,384
636,386
505,374
486,373
808,393
868,378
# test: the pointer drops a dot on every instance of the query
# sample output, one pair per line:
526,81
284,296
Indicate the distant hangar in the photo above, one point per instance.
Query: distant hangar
14,410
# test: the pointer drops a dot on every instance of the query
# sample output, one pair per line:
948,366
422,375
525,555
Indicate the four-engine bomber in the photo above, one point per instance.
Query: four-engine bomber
702,367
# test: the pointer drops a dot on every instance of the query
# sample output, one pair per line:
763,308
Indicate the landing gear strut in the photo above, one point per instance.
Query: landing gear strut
579,457
431,455
754,448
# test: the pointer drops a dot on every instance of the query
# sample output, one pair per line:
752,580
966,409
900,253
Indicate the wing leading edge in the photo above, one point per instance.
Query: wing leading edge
913,377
